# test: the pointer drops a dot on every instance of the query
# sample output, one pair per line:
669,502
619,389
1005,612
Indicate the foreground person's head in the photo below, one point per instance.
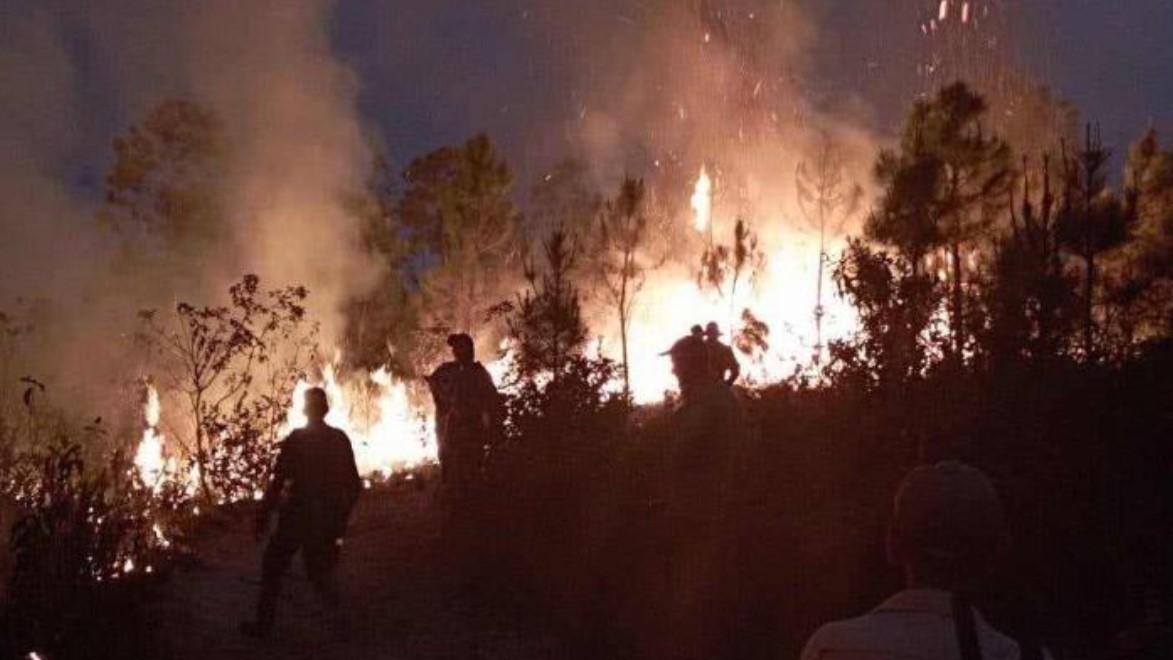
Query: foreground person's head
462,347
315,404
947,526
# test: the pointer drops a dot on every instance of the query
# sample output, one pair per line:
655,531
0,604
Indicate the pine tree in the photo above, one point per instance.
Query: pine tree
463,224
623,236
1093,220
547,326
942,190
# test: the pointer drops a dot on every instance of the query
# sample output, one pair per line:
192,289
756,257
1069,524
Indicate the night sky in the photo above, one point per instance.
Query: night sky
433,77
430,73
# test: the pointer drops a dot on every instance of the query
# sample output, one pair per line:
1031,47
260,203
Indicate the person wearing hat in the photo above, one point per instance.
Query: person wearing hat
690,363
722,364
947,529
314,486
467,411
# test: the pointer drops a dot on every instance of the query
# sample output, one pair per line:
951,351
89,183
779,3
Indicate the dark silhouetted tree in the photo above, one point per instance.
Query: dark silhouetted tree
828,199
381,325
896,305
458,212
1142,278
163,192
559,396
547,326
234,367
1092,221
726,268
1030,298
943,189
623,258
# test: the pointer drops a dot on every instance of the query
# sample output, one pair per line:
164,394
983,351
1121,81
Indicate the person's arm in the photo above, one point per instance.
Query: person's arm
272,497
443,383
353,479
433,381
492,401
734,368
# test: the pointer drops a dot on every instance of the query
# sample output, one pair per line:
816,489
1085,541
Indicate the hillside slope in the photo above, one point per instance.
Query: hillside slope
397,601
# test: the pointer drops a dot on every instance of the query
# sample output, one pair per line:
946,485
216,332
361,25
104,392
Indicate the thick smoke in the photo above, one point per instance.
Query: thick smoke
619,83
665,88
296,140
76,76
649,88
47,247
300,149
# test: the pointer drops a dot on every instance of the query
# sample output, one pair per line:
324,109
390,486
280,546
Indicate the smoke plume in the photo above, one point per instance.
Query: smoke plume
76,76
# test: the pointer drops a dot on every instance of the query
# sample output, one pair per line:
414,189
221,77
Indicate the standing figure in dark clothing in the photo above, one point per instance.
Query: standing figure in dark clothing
690,364
722,364
314,487
468,411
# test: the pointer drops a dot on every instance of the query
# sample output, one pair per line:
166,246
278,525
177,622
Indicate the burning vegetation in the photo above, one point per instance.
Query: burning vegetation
983,285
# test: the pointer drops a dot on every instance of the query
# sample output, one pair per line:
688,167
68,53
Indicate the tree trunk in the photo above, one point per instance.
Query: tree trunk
201,453
958,302
626,276
626,363
1088,305
1089,250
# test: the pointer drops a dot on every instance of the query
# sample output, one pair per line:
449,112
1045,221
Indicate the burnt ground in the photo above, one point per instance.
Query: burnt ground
398,600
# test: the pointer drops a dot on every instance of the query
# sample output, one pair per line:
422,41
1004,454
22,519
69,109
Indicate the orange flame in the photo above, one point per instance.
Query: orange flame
149,460
389,432
702,201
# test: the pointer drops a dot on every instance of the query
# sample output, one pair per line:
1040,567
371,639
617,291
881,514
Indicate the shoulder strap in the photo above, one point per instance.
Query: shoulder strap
1029,649
967,639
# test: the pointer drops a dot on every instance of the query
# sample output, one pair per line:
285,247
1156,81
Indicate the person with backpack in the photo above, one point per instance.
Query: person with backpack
467,412
947,529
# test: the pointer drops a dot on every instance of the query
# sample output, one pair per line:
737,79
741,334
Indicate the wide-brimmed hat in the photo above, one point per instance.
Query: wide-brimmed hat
712,329
460,339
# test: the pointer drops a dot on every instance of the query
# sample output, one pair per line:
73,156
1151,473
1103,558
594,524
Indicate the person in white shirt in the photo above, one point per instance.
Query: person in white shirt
948,527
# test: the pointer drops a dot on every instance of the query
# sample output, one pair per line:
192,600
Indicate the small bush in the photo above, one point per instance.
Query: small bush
86,546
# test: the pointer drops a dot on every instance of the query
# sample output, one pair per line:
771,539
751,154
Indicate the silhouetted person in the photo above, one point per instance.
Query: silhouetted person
314,486
947,528
690,364
706,429
467,412
722,363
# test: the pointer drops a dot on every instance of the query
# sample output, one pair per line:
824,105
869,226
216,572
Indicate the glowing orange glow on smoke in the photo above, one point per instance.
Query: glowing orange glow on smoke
782,293
392,427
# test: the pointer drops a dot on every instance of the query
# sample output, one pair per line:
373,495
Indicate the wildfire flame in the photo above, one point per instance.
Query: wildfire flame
388,431
149,460
391,429
782,293
702,201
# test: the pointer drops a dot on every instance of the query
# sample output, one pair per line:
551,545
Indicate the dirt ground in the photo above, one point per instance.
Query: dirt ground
397,602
